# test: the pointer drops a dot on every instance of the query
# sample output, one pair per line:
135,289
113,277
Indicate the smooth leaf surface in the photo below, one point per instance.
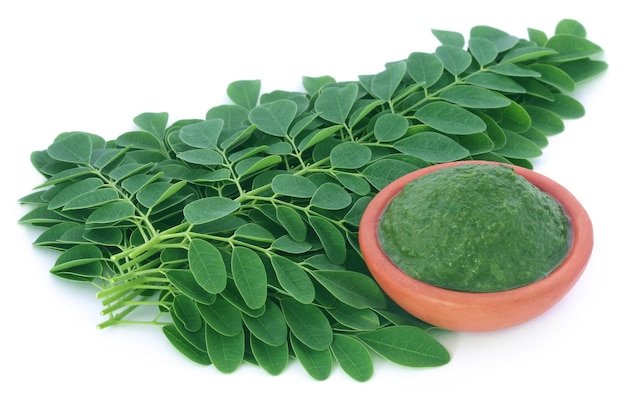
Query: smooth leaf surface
270,327
244,92
249,275
331,196
350,155
390,127
426,68
72,147
307,323
209,209
222,316
352,288
353,357
405,345
274,118
293,279
450,119
334,103
432,147
207,266
226,352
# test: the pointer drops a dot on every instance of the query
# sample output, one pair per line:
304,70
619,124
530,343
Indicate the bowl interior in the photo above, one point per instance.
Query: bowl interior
468,311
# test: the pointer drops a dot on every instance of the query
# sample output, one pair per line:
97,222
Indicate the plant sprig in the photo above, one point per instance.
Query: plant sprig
237,233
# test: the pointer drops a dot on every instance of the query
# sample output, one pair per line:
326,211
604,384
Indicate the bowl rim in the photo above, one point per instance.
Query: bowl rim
390,276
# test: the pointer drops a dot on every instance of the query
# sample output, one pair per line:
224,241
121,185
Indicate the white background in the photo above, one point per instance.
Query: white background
93,66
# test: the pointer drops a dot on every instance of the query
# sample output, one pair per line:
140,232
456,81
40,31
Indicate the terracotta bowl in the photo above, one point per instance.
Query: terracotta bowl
476,312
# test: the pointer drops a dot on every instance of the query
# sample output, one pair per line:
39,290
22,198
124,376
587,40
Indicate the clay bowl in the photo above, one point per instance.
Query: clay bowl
476,312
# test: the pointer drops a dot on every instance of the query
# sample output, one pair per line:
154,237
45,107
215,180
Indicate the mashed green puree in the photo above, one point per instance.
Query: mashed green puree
477,228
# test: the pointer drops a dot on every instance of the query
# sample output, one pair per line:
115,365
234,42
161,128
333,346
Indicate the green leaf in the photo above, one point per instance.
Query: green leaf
519,147
293,223
207,266
353,357
361,319
496,82
333,241
537,36
554,76
272,359
545,120
226,352
383,172
135,183
449,38
79,263
249,275
476,143
350,155
483,50
270,327
244,93
514,117
570,27
454,59
331,196
526,53
232,295
474,97
155,193
406,345
51,236
222,316
293,278
256,164
424,67
196,338
185,309
74,147
104,236
564,106
353,288
288,245
204,134
362,110
74,190
334,103
354,215
385,83
390,127
274,118
139,140
153,123
354,183
581,70
318,136
450,119
185,282
254,231
313,85
432,147
112,212
571,47
502,40
209,209
205,157
307,323
513,70
293,186
317,363
184,346
92,199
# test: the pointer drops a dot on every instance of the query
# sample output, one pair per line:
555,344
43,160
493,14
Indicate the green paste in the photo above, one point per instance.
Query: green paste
477,228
